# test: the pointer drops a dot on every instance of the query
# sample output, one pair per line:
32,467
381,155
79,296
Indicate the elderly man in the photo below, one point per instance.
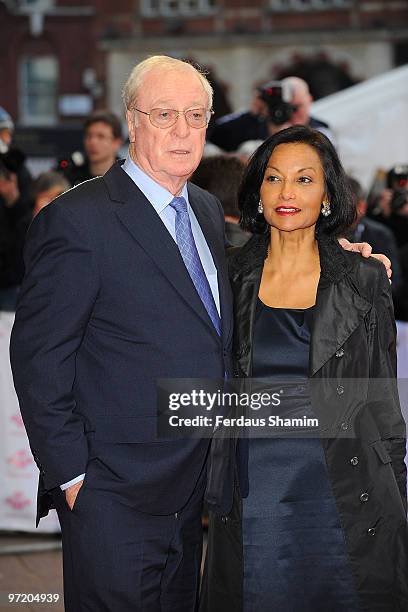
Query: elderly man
126,283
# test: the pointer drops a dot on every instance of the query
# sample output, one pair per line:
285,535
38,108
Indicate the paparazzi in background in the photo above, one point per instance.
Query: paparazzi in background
377,234
18,158
102,141
391,206
275,106
15,217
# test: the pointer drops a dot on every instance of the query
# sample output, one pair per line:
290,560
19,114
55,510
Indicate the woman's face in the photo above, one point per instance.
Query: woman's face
293,187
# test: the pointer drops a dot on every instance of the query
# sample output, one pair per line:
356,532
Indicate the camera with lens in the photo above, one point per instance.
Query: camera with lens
397,181
277,96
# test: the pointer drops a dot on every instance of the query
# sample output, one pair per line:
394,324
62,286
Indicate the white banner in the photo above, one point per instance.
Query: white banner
18,472
370,123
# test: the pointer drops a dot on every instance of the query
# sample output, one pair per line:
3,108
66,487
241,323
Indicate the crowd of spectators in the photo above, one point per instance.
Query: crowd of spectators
381,218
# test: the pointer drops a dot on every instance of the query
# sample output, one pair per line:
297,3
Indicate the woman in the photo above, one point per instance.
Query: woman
317,524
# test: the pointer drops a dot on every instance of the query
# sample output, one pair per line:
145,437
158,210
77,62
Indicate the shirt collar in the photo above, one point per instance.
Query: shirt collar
158,196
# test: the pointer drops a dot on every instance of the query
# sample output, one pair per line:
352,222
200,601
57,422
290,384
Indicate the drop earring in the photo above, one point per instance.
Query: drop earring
260,207
326,211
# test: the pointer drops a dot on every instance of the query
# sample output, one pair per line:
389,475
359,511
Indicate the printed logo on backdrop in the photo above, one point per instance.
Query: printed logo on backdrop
18,501
20,459
17,421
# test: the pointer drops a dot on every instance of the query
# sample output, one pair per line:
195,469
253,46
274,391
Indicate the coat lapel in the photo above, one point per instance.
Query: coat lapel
339,307
145,226
245,273
339,311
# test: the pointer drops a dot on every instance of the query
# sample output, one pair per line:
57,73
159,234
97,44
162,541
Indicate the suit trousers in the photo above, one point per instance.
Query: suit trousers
118,559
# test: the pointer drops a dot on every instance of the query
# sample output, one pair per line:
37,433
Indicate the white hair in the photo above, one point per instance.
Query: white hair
298,85
162,62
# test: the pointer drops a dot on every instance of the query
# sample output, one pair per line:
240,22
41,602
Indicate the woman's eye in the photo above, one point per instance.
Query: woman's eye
305,179
272,178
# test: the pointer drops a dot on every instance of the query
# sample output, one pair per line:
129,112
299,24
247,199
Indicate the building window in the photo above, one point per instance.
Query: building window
38,90
177,8
306,5
35,5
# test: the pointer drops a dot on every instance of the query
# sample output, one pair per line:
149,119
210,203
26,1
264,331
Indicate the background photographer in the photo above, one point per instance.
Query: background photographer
275,106
390,207
380,237
15,217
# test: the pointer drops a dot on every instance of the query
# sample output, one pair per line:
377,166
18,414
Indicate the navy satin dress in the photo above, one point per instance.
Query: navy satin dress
295,557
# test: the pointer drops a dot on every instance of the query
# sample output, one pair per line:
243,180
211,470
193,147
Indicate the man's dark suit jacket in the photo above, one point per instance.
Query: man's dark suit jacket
107,307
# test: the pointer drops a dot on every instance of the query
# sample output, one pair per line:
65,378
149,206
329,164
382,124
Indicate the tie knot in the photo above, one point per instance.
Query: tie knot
179,204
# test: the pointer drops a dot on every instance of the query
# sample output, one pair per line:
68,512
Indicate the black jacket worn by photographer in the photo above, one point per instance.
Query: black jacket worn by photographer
231,131
14,222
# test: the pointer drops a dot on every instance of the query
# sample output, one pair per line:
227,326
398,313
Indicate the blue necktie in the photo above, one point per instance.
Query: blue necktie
192,261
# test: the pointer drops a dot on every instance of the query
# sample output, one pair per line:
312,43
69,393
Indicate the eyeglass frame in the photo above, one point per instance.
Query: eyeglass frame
178,115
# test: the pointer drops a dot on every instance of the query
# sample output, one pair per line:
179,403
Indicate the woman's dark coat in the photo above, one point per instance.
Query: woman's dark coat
353,337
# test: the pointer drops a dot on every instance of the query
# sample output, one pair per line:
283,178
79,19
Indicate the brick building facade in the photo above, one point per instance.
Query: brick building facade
59,59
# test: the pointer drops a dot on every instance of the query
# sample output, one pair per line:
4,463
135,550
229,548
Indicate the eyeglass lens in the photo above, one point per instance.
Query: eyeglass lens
164,117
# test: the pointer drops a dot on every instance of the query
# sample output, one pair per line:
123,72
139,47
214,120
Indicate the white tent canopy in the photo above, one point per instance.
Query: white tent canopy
370,123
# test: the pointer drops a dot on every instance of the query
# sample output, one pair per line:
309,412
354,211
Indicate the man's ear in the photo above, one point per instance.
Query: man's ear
131,119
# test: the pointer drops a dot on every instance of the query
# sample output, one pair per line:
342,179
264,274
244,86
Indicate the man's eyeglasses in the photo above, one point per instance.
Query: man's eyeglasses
166,117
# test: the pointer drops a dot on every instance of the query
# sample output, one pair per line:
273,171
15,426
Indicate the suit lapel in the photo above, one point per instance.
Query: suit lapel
217,250
144,224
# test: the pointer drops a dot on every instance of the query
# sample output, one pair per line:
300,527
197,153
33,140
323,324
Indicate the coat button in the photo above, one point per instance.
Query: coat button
242,351
344,426
364,497
224,519
371,531
340,390
354,460
340,353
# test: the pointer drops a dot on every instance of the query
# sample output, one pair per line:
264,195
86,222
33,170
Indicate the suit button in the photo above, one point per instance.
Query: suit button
371,531
364,497
340,390
344,426
224,519
354,460
340,353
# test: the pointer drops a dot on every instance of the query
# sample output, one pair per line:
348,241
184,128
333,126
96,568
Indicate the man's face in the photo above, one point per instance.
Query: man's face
303,101
100,144
168,155
6,136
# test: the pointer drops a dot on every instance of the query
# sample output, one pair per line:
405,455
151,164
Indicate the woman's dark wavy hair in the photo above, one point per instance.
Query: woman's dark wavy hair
343,209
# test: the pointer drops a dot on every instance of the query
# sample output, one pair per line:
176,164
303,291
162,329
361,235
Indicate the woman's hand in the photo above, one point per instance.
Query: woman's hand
366,251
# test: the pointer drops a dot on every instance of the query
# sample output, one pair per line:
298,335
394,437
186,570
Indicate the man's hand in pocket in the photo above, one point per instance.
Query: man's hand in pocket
71,493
